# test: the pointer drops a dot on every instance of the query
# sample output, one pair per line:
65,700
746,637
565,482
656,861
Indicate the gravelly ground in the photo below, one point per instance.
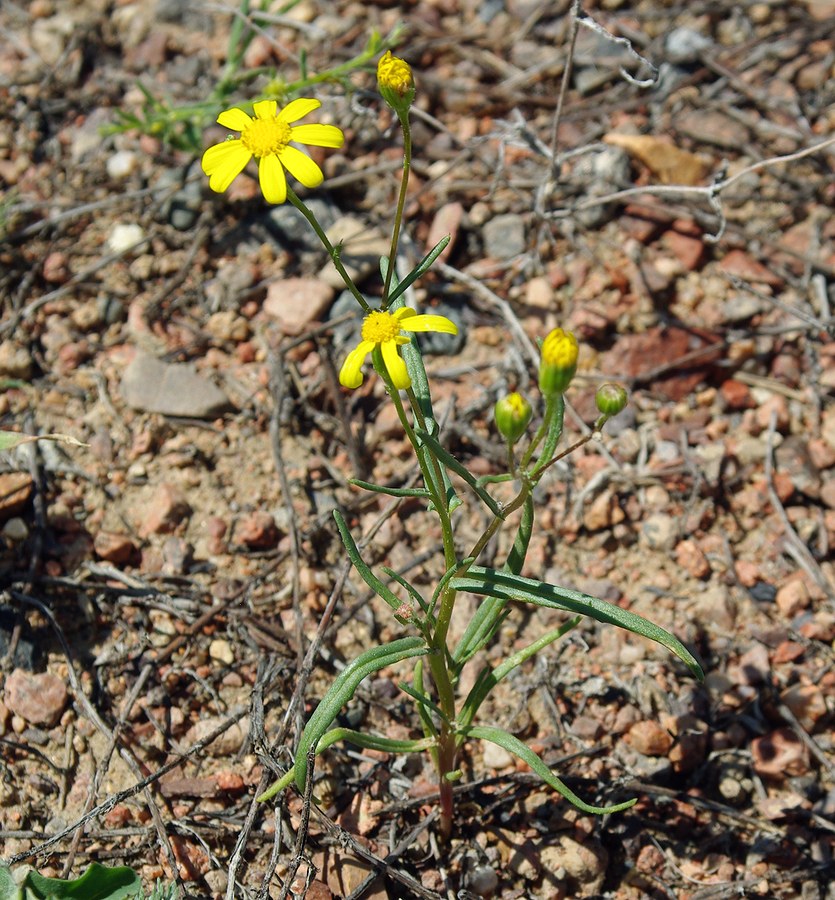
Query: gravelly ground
161,587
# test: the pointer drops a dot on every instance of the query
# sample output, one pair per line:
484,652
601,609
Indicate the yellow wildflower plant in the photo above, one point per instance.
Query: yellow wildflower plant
384,329
268,136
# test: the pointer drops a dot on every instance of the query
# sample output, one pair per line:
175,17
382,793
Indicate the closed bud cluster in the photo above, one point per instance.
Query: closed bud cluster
611,399
395,81
558,363
513,413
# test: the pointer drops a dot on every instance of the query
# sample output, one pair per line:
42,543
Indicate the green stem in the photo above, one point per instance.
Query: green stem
334,253
552,438
401,203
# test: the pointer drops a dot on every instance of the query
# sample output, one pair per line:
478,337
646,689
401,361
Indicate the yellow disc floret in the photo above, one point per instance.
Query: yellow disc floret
379,327
265,136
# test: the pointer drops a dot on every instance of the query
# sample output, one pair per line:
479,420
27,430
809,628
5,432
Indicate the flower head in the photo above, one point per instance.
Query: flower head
384,329
611,398
268,136
513,413
558,363
395,81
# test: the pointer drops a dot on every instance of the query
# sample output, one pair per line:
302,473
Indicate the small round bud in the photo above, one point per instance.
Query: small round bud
611,399
395,82
513,413
558,363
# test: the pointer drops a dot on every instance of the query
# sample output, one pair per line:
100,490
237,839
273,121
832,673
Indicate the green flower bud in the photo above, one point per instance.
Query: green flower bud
395,81
611,399
513,413
558,363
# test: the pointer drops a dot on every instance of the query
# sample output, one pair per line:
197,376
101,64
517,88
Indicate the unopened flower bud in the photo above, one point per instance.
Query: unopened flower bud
558,363
395,81
611,399
513,413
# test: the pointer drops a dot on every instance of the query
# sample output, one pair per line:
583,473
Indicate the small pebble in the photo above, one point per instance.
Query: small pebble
124,237
121,164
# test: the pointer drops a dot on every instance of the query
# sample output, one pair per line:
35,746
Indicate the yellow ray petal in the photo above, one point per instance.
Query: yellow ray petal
350,375
298,109
430,323
264,109
272,179
234,119
317,135
395,366
223,163
301,167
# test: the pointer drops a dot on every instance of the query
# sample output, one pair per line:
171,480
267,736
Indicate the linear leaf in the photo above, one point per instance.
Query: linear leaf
359,739
363,570
488,678
391,491
458,467
517,748
420,268
507,586
342,690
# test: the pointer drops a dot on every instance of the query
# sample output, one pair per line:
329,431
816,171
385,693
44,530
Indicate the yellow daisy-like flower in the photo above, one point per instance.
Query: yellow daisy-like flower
267,136
385,330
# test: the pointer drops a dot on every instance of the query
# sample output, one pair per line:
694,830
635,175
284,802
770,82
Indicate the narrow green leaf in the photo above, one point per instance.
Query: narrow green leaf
488,678
97,883
358,739
420,268
407,586
516,557
376,585
429,729
517,748
507,586
484,624
426,702
342,690
460,470
391,491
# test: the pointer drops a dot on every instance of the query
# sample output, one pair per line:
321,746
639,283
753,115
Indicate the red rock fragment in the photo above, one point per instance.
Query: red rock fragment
739,263
56,267
168,508
37,698
447,221
649,738
230,782
115,548
779,755
688,250
15,490
119,816
787,652
807,703
792,597
736,395
257,531
690,557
